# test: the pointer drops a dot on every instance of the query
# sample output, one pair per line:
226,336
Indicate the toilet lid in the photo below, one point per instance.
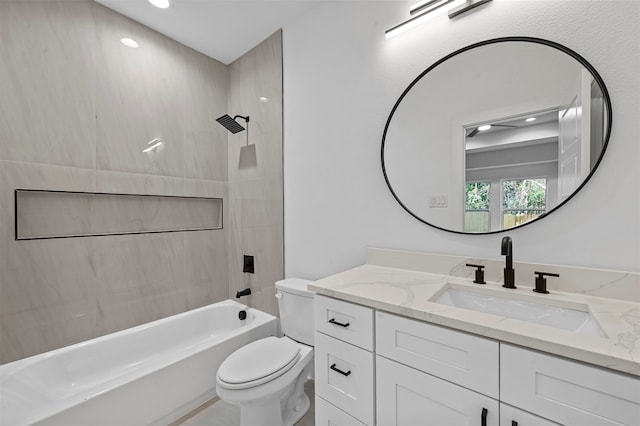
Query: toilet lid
265,358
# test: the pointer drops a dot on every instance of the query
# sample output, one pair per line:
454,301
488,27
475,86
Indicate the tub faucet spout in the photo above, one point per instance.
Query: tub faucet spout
245,292
509,273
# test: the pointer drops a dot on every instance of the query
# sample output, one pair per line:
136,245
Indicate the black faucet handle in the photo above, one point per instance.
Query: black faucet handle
479,273
541,281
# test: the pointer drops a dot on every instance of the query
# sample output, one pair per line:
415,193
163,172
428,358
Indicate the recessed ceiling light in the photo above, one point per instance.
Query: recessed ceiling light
263,99
484,127
530,119
162,4
129,42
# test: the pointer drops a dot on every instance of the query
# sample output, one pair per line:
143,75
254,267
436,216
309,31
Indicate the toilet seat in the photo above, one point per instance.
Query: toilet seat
258,362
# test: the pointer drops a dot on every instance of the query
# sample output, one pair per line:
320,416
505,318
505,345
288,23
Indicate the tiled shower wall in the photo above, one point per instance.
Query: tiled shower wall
255,173
76,110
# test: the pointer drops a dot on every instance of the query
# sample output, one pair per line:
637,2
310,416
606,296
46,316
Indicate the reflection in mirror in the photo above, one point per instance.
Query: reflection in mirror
496,135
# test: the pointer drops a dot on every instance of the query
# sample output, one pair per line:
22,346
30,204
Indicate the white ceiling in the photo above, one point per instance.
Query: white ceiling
221,29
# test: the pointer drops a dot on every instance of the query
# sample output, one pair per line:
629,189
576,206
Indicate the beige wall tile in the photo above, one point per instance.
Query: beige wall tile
138,183
140,278
205,141
206,276
140,95
47,79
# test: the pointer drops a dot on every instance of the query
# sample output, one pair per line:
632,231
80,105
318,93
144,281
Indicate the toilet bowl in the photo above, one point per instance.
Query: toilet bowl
266,377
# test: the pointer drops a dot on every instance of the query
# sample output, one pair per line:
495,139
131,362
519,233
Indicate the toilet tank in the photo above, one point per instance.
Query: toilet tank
295,303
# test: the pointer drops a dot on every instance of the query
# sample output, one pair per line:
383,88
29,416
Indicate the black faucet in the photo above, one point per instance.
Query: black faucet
541,281
245,292
509,273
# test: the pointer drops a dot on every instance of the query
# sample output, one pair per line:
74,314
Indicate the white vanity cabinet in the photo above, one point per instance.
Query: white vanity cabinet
344,363
425,374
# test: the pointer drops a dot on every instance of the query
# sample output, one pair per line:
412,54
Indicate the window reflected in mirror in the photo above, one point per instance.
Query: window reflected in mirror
522,201
477,207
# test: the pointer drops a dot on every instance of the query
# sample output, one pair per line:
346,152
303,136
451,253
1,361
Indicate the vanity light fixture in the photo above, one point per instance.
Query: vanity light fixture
129,42
162,4
484,127
426,6
425,10
156,142
465,7
530,119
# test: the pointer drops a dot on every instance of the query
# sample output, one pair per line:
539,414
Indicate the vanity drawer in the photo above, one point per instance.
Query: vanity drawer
329,415
345,321
344,376
566,391
461,358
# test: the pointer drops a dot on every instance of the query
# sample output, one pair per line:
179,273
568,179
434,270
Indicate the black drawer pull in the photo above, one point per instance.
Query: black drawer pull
483,420
333,321
336,369
514,423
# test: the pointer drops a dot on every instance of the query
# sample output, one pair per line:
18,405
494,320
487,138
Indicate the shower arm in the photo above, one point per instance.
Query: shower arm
246,119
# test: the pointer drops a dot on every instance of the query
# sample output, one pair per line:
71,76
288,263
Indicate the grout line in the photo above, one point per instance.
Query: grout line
195,411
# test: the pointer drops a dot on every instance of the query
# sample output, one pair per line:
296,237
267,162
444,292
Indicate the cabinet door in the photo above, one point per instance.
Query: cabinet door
511,416
567,392
408,397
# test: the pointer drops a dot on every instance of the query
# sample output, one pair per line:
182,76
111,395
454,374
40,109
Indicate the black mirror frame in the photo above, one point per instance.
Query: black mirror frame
576,56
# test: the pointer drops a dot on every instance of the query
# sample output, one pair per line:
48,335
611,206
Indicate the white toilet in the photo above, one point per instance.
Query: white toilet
266,378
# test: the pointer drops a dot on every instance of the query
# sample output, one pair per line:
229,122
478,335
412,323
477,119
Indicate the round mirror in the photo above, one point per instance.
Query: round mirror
496,135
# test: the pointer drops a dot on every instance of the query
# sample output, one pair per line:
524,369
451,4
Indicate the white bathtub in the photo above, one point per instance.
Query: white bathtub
150,374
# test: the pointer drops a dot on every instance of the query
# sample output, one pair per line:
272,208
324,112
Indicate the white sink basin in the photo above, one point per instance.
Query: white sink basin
495,302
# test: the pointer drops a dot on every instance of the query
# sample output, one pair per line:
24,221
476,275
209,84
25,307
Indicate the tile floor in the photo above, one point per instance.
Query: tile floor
219,413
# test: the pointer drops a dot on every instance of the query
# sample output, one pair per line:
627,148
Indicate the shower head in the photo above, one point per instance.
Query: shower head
231,124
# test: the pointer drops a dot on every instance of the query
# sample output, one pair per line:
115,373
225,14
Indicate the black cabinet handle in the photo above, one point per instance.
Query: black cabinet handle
333,321
336,369
483,419
514,423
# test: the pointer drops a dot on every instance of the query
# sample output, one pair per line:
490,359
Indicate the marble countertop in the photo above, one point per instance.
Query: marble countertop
409,293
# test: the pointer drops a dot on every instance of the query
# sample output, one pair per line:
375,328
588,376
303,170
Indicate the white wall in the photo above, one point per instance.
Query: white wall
341,79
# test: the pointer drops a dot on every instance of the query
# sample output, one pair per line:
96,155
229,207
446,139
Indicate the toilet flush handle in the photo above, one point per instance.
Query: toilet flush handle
278,295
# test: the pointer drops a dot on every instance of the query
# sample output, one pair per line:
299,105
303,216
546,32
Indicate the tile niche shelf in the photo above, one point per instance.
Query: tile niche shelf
45,214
